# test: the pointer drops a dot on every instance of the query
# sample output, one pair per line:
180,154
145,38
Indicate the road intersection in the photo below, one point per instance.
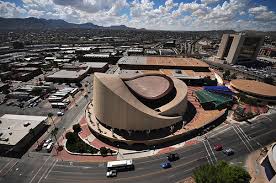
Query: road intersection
243,138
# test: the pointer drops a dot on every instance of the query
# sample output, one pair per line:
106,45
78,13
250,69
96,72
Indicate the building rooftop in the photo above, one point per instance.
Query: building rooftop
178,73
93,55
150,86
254,87
96,64
163,62
67,74
15,127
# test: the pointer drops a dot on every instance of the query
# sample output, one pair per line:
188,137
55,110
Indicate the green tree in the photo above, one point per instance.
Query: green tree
233,76
71,137
86,96
221,172
103,151
54,133
37,91
76,128
226,74
269,80
50,115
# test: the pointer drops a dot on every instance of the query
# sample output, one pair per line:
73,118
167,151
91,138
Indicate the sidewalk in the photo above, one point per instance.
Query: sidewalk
88,137
255,169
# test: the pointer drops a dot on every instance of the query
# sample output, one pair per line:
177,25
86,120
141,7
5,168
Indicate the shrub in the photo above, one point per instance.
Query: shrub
71,137
103,151
76,128
76,145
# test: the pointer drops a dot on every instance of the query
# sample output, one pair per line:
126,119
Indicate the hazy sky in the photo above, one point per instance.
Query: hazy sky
156,14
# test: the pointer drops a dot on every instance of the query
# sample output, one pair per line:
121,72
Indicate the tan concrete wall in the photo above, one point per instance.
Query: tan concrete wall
222,45
179,104
235,49
115,106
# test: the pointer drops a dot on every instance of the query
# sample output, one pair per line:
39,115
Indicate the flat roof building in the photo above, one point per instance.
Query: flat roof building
67,76
15,132
190,70
240,48
152,63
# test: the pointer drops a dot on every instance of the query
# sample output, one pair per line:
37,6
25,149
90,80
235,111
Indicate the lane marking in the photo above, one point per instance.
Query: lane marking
208,152
46,171
135,177
10,168
6,165
40,169
241,139
211,150
215,134
245,136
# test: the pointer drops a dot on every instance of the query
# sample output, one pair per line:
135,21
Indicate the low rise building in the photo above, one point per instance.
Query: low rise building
67,76
18,133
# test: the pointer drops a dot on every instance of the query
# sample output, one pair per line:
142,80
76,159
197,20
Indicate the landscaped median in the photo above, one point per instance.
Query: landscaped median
76,146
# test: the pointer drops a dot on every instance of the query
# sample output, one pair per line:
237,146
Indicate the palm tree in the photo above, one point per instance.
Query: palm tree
50,115
54,133
86,96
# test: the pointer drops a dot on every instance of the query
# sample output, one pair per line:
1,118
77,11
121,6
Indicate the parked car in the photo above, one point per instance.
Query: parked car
228,151
218,147
60,113
10,103
111,173
166,165
39,146
50,147
46,143
173,157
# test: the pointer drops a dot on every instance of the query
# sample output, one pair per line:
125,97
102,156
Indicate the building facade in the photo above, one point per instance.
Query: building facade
240,48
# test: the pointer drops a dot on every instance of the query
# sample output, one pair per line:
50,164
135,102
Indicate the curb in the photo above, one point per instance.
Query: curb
83,154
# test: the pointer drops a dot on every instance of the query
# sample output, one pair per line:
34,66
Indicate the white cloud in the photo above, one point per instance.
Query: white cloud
196,15
10,10
209,1
261,13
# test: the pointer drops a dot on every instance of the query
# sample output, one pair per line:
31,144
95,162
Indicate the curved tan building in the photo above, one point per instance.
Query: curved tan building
145,102
256,89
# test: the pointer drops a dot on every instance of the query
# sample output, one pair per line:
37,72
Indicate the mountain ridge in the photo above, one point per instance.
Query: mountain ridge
40,23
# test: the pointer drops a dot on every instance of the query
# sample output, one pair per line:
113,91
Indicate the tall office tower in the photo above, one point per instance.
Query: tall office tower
240,48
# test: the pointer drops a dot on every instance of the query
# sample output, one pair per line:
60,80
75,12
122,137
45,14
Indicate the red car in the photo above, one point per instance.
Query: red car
218,147
39,146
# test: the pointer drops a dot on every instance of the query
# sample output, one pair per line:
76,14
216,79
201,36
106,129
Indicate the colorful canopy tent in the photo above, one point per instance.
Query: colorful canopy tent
219,89
212,100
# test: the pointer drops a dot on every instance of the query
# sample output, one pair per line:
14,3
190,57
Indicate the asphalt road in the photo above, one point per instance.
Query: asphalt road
243,139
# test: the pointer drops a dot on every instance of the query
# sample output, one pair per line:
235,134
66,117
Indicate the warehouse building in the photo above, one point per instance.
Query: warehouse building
18,133
67,76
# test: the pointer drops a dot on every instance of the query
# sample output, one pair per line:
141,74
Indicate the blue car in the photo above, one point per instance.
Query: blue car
165,165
